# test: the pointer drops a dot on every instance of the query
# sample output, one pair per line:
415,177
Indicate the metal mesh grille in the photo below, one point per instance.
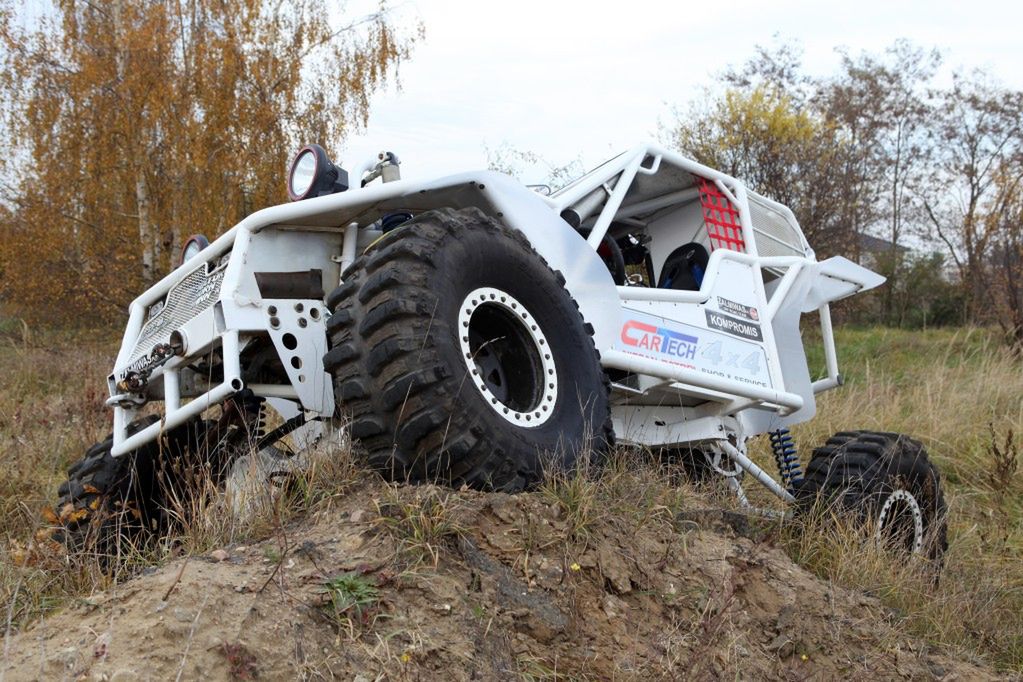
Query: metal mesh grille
186,299
774,234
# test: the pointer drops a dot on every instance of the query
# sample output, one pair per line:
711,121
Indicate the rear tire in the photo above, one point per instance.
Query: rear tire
886,482
460,357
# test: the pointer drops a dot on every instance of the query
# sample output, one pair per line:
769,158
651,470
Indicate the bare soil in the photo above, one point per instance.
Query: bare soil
472,586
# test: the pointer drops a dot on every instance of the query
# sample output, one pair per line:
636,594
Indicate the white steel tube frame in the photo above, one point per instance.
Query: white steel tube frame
834,379
625,168
174,413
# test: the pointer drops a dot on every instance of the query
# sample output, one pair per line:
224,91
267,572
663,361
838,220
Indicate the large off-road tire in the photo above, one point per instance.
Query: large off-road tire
886,482
460,357
109,505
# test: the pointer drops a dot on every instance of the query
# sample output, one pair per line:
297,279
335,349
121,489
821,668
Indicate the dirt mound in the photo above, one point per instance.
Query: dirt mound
426,583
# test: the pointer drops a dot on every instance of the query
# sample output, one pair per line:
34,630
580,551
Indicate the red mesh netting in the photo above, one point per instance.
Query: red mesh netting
721,218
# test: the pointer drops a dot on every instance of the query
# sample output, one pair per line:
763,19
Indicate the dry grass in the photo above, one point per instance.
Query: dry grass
423,520
205,518
962,395
51,410
958,391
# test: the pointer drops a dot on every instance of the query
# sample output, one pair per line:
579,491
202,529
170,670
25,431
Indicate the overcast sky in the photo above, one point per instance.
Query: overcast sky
585,80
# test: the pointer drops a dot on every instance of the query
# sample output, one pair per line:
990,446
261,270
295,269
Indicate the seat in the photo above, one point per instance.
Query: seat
684,268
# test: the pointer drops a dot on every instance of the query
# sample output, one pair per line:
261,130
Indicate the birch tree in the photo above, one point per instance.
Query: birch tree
132,124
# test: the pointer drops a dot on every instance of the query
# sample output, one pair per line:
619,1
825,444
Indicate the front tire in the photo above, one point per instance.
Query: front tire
109,506
461,357
887,483
112,506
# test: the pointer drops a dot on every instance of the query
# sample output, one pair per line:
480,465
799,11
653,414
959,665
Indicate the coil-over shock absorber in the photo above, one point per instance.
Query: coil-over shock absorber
252,410
787,457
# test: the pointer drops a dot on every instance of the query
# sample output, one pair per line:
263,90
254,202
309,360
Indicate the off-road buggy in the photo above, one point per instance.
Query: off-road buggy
473,330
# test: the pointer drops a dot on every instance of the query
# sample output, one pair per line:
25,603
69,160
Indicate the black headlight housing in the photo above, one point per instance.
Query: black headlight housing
192,246
312,174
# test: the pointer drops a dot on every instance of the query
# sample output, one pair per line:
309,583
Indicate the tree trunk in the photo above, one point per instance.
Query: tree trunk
148,234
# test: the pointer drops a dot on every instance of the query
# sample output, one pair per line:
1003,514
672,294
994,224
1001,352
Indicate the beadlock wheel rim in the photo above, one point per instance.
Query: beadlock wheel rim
508,357
900,507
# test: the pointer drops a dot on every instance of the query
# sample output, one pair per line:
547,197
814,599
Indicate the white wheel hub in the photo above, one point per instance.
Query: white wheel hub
508,358
903,504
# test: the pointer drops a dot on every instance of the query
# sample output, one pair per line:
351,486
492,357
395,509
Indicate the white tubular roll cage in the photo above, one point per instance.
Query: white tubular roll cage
822,283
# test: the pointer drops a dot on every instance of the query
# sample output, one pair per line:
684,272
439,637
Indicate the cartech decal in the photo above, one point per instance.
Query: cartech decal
734,326
659,339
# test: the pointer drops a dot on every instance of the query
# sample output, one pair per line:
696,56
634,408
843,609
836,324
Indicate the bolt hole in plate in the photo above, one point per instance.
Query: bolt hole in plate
900,522
507,356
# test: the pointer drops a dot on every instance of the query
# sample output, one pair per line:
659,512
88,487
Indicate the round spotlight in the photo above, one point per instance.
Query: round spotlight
312,174
193,245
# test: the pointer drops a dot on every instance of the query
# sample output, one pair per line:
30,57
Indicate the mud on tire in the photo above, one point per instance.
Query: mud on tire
461,357
885,480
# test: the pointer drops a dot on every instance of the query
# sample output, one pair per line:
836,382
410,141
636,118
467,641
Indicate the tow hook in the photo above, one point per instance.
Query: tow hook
133,382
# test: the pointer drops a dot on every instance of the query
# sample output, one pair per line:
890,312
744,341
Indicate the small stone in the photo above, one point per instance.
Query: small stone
65,658
124,675
358,516
501,538
505,507
550,573
783,645
786,617
219,555
101,647
615,569
614,607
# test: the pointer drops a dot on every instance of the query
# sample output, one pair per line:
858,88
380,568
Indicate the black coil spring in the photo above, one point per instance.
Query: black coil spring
787,457
254,415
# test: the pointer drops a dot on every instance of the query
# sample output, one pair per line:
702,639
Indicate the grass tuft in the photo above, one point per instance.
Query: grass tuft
422,519
351,600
